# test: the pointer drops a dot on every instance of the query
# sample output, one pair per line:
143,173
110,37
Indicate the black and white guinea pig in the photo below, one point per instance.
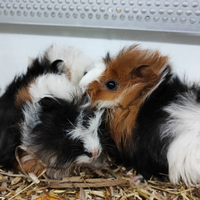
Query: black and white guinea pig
44,111
153,115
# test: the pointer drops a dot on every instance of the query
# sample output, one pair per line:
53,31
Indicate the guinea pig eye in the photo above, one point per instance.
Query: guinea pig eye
111,85
66,131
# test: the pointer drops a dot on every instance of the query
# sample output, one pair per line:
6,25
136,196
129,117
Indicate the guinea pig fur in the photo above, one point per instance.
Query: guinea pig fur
74,62
49,115
153,116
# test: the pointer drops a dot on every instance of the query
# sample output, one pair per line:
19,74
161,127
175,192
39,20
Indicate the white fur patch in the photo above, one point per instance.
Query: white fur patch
89,136
53,85
74,60
92,75
183,126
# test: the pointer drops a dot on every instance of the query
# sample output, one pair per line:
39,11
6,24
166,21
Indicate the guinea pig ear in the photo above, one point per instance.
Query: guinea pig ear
140,71
57,65
48,103
107,59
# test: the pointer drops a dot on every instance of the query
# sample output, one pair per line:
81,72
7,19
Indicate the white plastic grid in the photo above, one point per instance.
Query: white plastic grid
155,15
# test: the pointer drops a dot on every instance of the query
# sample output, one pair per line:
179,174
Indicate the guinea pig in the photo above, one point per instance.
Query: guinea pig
45,112
70,60
152,114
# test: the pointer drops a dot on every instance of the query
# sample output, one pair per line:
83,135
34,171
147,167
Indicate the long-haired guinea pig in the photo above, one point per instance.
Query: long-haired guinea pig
153,116
43,111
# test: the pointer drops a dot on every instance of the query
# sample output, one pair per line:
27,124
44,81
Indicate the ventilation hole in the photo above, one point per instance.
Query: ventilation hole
45,1
118,10
157,3
126,10
59,1
32,1
98,16
173,19
71,8
175,3
161,11
78,8
192,20
152,11
102,9
130,17
139,18
75,1
197,13
35,7
46,14
179,12
75,15
82,1
147,18
8,6
166,3
49,7
25,13
143,11
114,17
39,1
131,3
135,10
140,3
148,3
106,2
90,15
5,12
170,11
67,1
42,7
110,9
53,1
165,19
12,13
122,17
188,12
98,1
195,4
60,14
106,16
86,8
82,15
64,8
56,8
183,20
53,14
185,4
14,6
114,2
90,1
67,15
156,19
94,8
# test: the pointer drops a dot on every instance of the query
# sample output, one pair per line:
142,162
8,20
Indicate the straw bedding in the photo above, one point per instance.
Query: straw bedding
111,183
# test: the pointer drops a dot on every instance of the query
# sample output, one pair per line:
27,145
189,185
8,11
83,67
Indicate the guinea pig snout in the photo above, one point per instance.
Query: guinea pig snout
92,155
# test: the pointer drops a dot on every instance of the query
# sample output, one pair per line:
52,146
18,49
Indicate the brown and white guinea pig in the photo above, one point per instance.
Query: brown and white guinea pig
153,116
44,111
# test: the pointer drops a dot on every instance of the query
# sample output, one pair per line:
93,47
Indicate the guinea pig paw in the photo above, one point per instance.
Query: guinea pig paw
137,180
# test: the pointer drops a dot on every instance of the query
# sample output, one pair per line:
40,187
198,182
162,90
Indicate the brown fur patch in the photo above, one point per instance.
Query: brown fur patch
136,72
22,96
30,165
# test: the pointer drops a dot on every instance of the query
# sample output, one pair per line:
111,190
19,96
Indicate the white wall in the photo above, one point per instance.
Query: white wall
18,42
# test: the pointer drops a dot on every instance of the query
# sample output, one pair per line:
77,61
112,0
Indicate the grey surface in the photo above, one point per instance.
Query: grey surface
150,15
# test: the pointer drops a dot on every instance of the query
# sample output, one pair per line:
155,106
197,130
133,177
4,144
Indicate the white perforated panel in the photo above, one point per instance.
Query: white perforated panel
157,15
